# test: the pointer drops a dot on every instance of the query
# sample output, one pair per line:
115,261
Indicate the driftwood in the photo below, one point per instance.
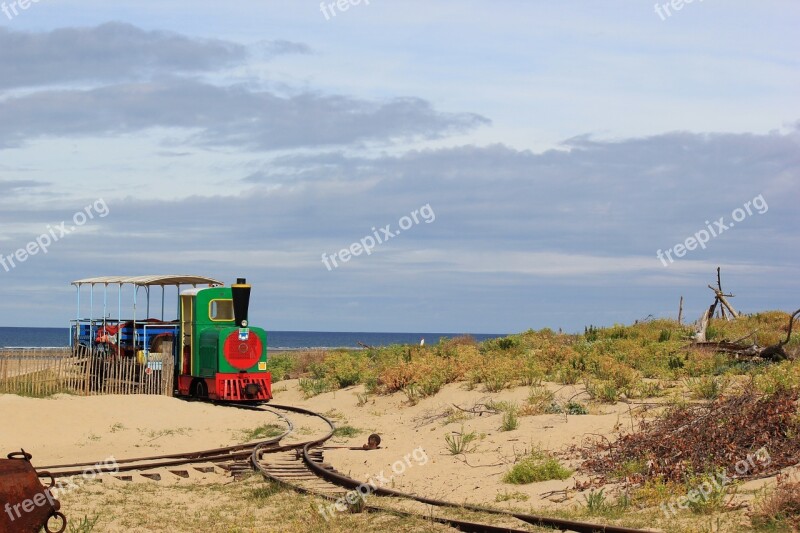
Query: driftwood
702,326
730,347
723,299
774,352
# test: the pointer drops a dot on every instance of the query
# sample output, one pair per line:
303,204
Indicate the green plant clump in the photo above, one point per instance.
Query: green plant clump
346,432
458,443
510,420
266,431
538,466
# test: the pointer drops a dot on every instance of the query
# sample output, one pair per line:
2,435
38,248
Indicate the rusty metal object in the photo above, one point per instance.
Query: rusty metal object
27,505
373,442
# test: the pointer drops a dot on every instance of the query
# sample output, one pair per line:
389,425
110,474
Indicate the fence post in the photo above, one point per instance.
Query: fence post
167,368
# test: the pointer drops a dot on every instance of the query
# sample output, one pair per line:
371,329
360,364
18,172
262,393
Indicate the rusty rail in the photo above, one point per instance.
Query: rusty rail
542,521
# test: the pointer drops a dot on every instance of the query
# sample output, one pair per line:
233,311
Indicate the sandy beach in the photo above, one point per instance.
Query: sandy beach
72,428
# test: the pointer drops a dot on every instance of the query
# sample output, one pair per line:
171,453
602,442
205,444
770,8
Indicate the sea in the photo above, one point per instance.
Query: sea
276,340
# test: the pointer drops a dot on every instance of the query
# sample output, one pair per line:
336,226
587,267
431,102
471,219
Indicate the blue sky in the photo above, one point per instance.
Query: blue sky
559,146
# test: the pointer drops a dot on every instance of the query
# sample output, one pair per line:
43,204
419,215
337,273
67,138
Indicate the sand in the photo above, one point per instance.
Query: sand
475,477
65,428
413,456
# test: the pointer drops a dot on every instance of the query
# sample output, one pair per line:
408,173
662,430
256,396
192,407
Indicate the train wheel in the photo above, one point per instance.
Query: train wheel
201,390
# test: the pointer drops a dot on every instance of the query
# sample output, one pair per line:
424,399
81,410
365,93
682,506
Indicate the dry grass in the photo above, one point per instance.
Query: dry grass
779,511
247,506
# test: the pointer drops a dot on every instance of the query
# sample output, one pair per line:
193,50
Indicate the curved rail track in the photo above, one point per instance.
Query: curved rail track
301,466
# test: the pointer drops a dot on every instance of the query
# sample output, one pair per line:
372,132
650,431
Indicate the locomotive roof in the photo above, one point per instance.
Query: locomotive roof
146,281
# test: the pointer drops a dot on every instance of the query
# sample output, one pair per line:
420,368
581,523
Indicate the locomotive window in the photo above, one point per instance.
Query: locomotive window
220,310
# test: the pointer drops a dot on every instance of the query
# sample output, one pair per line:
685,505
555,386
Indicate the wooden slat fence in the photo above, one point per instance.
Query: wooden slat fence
45,371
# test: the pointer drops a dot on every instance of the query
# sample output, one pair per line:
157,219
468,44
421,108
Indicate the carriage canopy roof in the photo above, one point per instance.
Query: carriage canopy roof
147,281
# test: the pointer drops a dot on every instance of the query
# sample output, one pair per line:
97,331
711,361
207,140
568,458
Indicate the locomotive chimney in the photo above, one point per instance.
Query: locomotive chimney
240,292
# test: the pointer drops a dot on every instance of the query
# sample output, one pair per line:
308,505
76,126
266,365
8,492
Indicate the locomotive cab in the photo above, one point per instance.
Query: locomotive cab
222,358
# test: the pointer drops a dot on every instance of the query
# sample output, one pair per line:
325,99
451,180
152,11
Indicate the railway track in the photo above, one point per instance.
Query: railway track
301,466
221,456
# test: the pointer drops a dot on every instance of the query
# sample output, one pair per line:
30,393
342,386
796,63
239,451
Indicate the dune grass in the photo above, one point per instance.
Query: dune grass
612,362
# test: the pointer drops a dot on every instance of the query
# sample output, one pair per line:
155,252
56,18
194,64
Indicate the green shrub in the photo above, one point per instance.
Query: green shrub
570,408
675,362
280,366
539,399
538,466
650,389
531,373
85,525
412,393
510,420
430,384
345,368
502,344
508,496
631,467
266,490
347,432
602,391
461,442
313,387
596,502
497,379
568,375
265,431
708,387
712,501
575,408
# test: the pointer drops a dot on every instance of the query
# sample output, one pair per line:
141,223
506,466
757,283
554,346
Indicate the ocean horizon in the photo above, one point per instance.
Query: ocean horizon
24,337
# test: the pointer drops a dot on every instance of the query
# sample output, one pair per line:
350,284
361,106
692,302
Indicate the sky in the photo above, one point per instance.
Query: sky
448,166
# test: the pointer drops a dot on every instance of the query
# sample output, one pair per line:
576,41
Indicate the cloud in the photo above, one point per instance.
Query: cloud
282,47
113,52
234,116
12,187
132,80
596,206
628,197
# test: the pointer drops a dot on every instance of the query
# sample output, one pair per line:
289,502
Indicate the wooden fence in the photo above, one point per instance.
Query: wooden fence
45,371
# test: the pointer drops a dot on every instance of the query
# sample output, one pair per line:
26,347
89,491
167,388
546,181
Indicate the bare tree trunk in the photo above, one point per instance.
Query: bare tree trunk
680,312
702,325
712,308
